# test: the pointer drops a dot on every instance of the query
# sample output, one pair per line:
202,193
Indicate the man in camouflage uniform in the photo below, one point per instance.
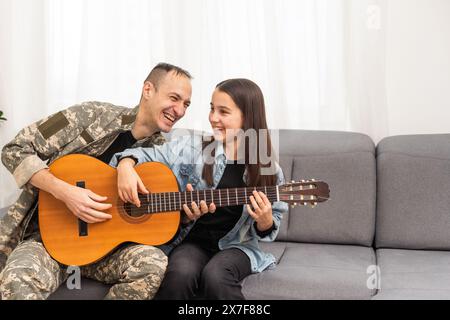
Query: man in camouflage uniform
27,270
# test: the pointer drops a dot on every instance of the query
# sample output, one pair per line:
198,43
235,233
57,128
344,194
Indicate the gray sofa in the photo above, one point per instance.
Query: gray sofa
382,235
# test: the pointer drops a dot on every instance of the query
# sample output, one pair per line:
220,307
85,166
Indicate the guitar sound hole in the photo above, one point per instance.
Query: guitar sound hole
133,211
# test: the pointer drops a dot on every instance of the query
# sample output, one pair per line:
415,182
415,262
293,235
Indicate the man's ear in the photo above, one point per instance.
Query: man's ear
148,90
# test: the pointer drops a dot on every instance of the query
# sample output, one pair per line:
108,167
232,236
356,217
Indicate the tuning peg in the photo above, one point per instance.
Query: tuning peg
313,180
292,181
313,205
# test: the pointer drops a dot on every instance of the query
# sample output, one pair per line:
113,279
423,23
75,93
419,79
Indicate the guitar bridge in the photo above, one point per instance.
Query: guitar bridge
82,226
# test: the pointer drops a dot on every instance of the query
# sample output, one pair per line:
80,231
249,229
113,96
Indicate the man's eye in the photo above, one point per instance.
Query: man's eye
173,98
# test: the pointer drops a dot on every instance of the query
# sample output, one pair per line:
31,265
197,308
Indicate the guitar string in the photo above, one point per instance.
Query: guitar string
201,193
176,203
204,195
135,209
141,210
269,188
207,192
173,202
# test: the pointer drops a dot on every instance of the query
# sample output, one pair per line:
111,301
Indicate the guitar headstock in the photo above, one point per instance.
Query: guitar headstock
304,192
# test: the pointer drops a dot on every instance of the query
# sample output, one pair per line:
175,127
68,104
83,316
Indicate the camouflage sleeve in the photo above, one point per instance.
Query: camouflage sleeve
29,151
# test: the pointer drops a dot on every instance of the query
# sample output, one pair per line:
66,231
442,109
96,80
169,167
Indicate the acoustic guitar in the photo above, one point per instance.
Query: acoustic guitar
72,241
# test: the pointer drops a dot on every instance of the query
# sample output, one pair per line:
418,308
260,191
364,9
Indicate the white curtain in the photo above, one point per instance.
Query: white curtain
319,62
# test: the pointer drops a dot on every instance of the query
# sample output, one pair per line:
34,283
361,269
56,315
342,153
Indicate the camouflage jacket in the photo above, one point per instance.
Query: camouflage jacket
88,128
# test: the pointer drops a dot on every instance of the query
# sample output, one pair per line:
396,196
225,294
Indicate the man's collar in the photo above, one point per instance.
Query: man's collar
129,117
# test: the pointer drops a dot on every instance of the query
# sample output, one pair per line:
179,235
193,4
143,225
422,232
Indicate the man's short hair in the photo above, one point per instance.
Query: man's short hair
162,69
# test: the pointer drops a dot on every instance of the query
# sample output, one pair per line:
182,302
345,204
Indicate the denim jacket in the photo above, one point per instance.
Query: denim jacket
184,157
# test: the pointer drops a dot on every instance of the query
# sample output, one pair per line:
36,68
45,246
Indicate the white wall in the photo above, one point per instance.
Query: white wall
418,66
417,74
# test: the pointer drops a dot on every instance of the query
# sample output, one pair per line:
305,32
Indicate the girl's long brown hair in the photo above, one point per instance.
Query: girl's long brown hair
249,98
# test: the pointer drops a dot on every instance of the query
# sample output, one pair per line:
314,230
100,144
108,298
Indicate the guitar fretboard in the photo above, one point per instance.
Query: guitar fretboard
173,201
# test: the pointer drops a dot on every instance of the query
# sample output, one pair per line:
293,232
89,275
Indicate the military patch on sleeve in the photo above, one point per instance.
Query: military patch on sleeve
53,125
87,137
127,119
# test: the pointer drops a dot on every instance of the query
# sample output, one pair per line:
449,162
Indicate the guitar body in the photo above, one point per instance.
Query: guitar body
73,243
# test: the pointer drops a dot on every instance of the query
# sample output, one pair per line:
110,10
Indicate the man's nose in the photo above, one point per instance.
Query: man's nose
179,110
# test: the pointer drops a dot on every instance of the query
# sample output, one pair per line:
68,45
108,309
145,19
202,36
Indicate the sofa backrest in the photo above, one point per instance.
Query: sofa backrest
413,197
346,161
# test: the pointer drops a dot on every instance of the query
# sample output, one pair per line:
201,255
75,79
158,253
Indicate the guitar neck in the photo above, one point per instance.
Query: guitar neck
173,201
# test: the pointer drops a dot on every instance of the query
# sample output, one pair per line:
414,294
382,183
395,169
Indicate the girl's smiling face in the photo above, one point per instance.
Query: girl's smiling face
225,117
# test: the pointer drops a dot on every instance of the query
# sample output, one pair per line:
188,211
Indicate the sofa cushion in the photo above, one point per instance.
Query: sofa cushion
413,192
346,161
310,142
90,290
413,274
313,271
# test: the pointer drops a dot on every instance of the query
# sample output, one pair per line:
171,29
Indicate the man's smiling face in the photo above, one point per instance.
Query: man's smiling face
168,101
